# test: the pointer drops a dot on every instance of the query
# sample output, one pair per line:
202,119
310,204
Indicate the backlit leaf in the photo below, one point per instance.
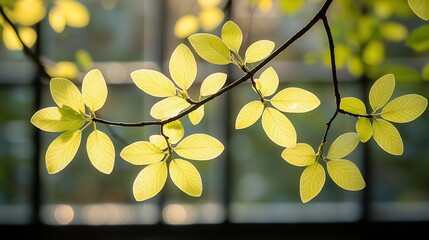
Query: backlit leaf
55,119
387,137
345,174
56,19
292,7
28,12
150,181
311,182
258,51
353,105
394,31
232,36
183,67
278,128
186,177
249,114
212,84
186,25
419,39
142,153
65,93
208,3
301,155
153,83
364,129
174,131
11,41
101,151
94,90
197,115
64,69
168,107
374,52
210,48
159,141
405,108
268,82
295,100
381,91
62,151
343,145
199,146
420,8
210,18
75,13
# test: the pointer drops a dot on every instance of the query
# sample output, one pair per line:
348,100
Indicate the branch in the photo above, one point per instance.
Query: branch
319,15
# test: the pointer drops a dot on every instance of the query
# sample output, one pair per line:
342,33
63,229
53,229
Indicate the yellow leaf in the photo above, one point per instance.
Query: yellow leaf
56,19
343,145
292,7
364,129
158,141
186,177
186,25
174,131
210,18
183,68
387,137
381,91
150,181
55,119
268,82
208,3
64,69
258,51
420,8
168,107
153,83
295,100
142,153
394,31
301,155
11,41
199,146
249,114
101,151
212,84
278,128
373,53
353,105
75,13
345,174
232,36
28,12
210,48
65,93
197,115
405,108
311,182
62,151
94,90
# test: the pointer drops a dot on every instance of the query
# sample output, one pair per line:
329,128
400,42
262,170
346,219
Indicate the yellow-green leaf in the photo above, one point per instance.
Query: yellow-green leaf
381,91
28,12
159,141
258,51
142,153
420,8
168,107
345,174
101,151
278,128
394,31
153,83
197,115
353,105
295,100
311,182
186,25
75,13
364,129
183,67
94,90
301,155
174,131
65,93
199,146
62,151
232,36
210,18
268,82
387,137
11,41
210,48
186,177
55,119
343,145
150,181
405,108
374,52
418,39
212,84
249,114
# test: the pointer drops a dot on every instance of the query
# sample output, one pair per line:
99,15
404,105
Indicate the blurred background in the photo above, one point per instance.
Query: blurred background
249,182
